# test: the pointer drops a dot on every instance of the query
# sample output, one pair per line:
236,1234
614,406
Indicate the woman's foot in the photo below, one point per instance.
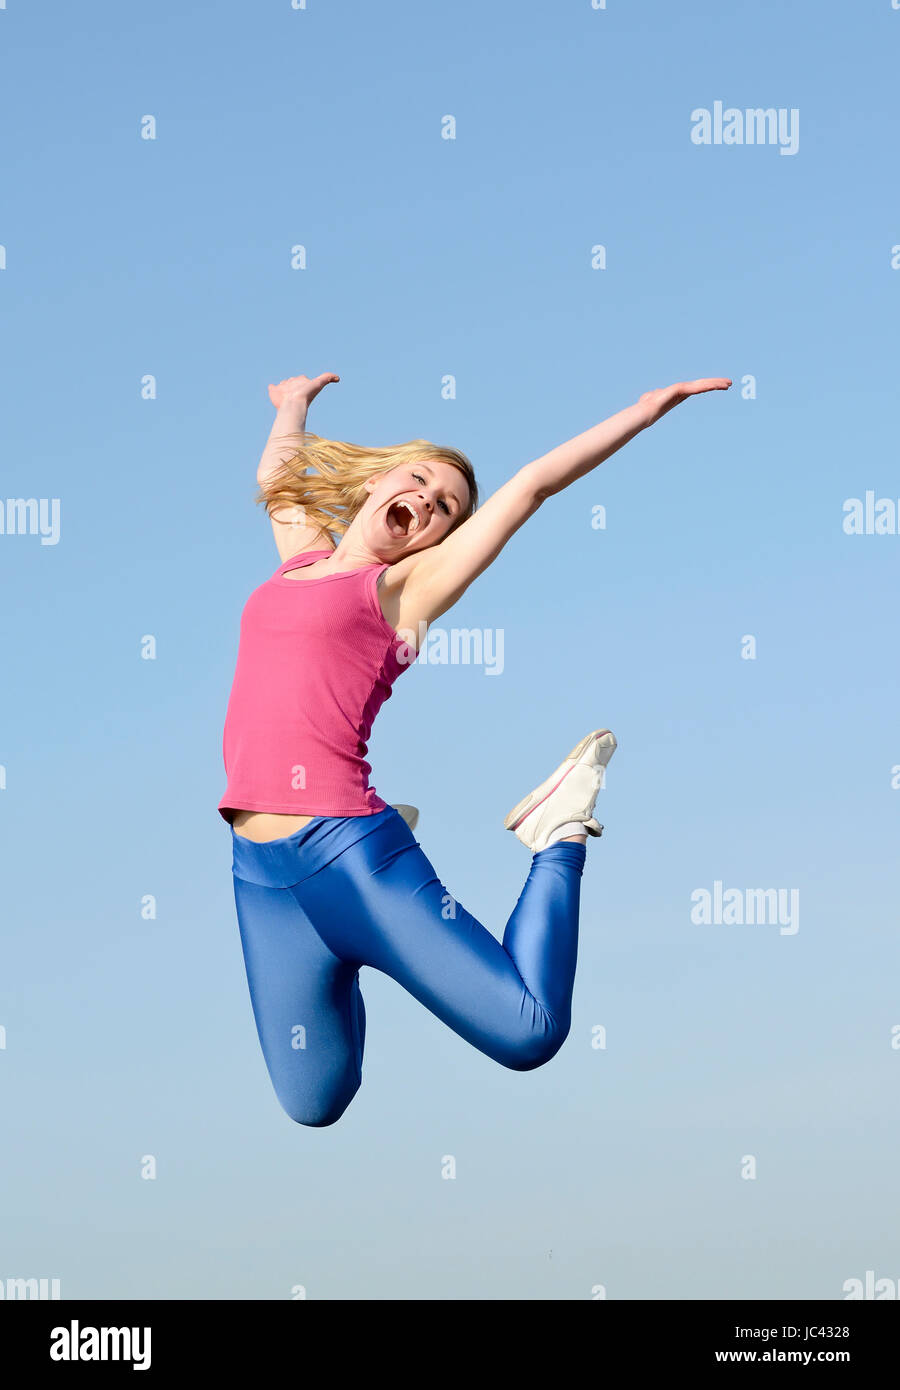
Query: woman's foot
563,805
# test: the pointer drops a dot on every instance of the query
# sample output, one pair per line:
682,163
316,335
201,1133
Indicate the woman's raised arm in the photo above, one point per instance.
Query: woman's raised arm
433,580
586,451
291,398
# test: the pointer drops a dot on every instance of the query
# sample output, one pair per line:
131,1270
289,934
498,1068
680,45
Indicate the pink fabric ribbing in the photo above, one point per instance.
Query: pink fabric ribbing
316,661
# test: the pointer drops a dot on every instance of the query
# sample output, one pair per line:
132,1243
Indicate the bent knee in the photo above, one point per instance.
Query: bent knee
535,1049
319,1111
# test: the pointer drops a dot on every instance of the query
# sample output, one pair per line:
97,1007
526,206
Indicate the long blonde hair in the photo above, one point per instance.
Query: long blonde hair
325,478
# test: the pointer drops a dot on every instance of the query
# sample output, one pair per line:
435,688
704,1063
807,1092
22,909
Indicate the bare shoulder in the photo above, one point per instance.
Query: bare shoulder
423,586
293,538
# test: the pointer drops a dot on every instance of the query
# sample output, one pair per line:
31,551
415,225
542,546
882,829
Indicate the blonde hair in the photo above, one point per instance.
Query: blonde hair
326,477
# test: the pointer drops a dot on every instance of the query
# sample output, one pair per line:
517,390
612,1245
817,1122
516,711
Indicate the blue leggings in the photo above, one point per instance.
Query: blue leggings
344,892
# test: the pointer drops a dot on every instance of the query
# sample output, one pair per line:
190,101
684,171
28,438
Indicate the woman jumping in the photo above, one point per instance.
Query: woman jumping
327,876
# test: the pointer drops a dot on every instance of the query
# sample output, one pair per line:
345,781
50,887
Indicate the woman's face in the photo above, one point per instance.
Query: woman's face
412,507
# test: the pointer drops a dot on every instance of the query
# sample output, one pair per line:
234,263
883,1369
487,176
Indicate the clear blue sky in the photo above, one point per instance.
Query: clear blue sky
170,258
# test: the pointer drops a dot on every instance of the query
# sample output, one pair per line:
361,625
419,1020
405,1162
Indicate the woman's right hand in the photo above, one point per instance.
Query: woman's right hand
299,390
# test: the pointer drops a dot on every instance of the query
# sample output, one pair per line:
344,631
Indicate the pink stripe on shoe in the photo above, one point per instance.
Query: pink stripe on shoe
517,823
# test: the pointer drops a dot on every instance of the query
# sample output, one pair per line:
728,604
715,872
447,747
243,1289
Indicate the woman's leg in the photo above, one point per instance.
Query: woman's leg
307,1004
380,903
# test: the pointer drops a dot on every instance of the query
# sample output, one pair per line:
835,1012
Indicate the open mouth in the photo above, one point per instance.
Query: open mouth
401,519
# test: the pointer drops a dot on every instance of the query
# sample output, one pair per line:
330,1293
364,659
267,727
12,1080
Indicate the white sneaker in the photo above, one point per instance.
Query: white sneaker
409,813
567,795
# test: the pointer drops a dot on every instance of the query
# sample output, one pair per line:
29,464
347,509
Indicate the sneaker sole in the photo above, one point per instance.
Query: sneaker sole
530,802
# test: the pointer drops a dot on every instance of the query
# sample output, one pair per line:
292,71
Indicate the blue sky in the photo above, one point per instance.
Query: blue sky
128,258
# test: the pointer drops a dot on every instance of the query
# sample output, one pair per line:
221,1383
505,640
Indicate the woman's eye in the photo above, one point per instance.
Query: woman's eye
419,479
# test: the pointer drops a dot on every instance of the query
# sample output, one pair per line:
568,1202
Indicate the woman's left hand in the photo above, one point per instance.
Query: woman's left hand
656,403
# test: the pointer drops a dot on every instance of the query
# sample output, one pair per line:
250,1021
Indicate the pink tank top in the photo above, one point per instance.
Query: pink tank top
316,661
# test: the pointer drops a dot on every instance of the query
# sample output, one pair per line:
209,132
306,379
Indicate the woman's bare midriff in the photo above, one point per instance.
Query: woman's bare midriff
265,825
